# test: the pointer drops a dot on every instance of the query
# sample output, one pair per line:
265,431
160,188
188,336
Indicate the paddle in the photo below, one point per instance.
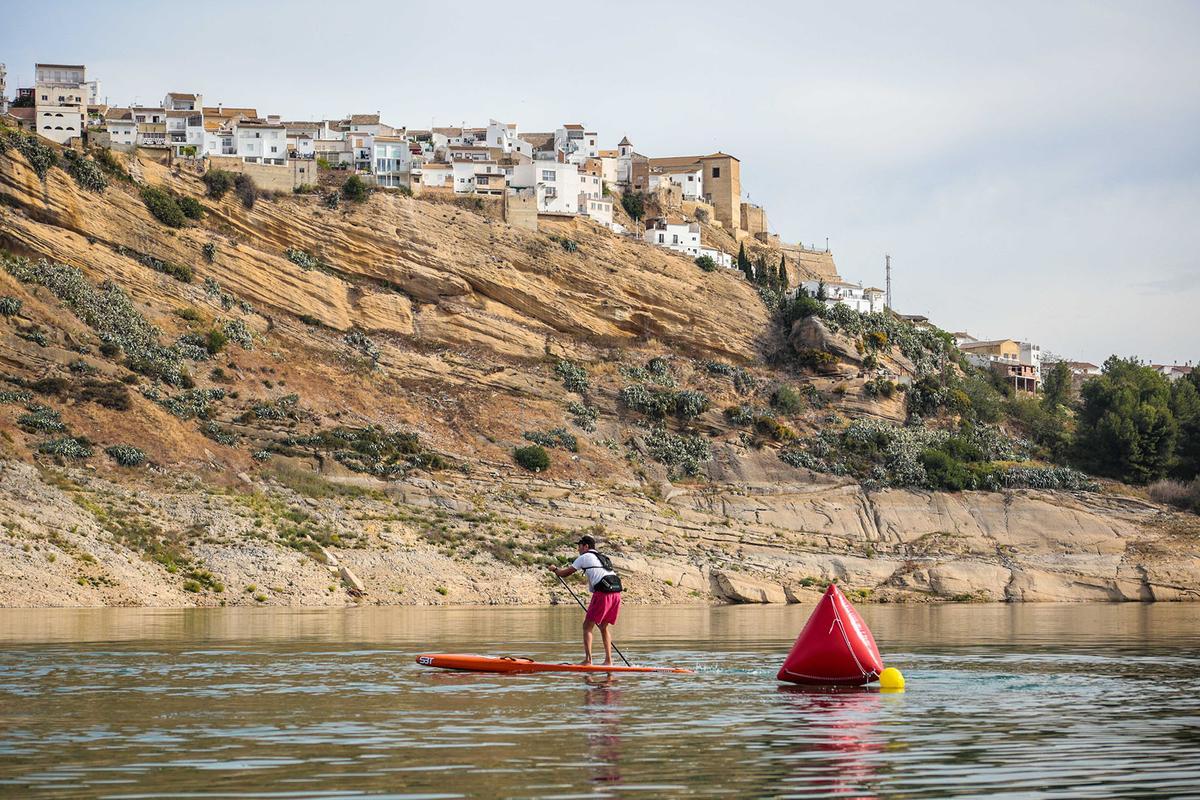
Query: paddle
581,605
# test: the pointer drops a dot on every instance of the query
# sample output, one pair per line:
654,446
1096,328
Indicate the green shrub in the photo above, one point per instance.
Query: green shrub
41,419
191,207
656,403
218,182
108,162
10,306
944,471
533,458
555,437
814,359
355,189
574,377
67,447
163,206
209,251
41,156
188,313
584,415
246,190
87,174
634,204
706,263
690,404
363,344
769,426
787,400
126,455
683,454
215,341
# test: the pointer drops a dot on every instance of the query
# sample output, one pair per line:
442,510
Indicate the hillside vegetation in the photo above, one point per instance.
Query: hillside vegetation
231,403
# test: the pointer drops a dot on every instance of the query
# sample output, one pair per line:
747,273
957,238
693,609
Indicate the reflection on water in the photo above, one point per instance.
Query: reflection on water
1003,701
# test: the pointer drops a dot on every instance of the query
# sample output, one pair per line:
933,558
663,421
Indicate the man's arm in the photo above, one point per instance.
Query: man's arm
562,572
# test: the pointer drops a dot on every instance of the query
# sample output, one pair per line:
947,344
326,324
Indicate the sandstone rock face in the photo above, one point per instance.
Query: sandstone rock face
467,318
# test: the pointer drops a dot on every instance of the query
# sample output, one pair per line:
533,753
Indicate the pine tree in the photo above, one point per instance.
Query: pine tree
783,276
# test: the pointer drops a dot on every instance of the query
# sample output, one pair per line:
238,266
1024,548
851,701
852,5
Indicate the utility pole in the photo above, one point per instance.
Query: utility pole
887,262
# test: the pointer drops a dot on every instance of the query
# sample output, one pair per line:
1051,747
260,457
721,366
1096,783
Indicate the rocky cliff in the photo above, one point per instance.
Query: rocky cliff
352,439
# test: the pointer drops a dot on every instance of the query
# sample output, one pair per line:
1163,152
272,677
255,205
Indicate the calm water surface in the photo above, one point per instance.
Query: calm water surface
1002,701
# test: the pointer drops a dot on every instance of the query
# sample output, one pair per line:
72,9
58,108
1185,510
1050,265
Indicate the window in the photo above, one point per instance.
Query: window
548,175
716,172
274,149
661,238
674,239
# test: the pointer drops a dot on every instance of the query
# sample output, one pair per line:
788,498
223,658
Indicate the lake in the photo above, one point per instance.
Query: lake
1002,701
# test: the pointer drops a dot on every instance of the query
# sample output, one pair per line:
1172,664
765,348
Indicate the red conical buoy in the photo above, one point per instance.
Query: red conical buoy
835,647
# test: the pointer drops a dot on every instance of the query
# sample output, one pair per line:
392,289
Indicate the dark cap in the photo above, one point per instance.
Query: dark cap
588,540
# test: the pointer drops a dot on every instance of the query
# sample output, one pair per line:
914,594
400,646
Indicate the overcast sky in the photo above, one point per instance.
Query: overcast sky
1033,168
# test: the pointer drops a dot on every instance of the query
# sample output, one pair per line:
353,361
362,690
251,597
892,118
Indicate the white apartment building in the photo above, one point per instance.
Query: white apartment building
575,143
1031,354
391,161
60,99
556,184
502,135
261,142
866,301
598,209
361,146
434,175
679,235
122,128
591,186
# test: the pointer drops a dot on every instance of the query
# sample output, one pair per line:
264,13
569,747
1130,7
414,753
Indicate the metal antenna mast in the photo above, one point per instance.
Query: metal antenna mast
887,261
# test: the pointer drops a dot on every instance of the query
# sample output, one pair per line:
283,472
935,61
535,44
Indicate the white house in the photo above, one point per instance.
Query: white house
361,146
391,161
674,234
1031,354
689,178
434,175
575,143
719,257
867,301
591,186
122,129
625,154
261,142
556,184
469,152
183,101
502,135
60,95
598,209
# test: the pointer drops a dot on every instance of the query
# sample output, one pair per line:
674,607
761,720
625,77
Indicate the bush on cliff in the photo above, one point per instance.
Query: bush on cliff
191,207
163,206
355,189
533,458
246,190
1126,428
218,182
706,263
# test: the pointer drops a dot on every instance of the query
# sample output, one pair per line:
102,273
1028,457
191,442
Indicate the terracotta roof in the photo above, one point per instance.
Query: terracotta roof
364,119
980,345
607,153
27,114
400,139
573,126
676,161
181,95
229,111
448,131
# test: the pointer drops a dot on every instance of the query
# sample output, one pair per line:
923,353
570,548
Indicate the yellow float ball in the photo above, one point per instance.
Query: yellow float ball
891,679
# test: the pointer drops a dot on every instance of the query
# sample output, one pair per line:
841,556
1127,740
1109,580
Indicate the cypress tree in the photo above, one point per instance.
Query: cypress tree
743,263
783,276
760,271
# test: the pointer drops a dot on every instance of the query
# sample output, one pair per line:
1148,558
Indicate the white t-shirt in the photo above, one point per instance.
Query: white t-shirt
590,566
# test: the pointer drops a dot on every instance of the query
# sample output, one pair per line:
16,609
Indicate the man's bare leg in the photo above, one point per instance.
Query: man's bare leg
606,635
587,641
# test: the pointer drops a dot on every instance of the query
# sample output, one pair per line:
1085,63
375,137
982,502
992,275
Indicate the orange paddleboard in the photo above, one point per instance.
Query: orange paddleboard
470,663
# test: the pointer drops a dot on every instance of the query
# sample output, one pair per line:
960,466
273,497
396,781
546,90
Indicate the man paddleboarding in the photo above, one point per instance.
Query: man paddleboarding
605,586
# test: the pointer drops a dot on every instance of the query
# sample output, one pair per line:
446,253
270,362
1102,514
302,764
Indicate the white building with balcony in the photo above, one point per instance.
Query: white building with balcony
556,184
391,161
261,142
867,300
60,95
674,234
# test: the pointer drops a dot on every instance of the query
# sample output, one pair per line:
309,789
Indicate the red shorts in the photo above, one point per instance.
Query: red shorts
603,608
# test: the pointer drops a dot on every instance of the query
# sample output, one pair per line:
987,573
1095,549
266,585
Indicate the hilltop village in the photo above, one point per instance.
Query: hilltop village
564,173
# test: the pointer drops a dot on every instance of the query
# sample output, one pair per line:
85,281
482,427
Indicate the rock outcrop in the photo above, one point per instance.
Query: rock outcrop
465,319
